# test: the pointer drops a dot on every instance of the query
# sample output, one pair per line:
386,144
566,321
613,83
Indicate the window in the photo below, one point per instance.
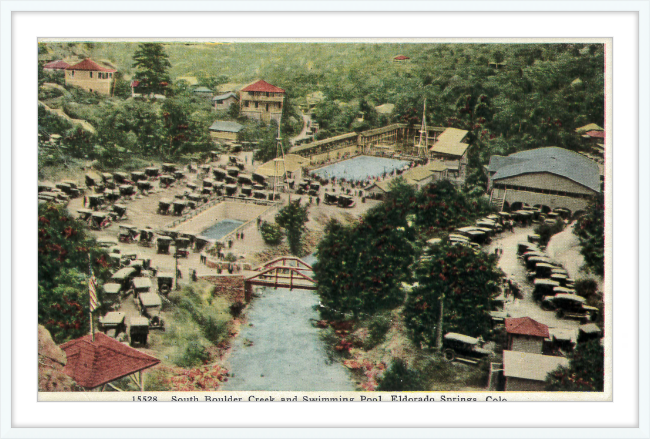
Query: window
267,107
91,74
72,74
256,105
110,75
247,103
268,94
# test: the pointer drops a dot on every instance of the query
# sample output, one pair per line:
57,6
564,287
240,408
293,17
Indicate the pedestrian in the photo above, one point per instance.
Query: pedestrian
242,236
237,235
259,222
230,243
318,201
179,274
194,276
230,268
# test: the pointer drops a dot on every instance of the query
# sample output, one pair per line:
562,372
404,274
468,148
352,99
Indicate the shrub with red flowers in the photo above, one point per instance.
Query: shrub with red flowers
65,251
465,280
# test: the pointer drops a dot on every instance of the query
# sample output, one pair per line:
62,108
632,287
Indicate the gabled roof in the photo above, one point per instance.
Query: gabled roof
401,57
224,96
92,364
595,133
530,366
526,326
228,126
89,64
57,65
554,160
590,127
202,89
450,142
262,85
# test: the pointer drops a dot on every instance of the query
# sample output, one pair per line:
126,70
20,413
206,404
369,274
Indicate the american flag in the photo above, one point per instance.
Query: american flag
92,288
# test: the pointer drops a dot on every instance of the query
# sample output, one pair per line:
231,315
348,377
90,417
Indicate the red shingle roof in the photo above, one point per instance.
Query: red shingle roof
401,57
135,83
89,64
600,134
56,65
262,85
526,326
92,364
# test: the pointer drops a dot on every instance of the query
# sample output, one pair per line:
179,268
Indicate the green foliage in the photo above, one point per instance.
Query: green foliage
197,319
360,268
152,65
65,251
377,330
465,280
441,206
194,355
400,378
271,233
292,218
586,287
586,371
546,231
590,230
230,257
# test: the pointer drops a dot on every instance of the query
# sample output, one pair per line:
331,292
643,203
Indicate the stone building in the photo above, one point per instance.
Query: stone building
450,149
224,101
262,101
90,76
526,372
225,130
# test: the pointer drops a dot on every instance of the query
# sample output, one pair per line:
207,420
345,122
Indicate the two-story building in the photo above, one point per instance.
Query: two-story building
262,101
90,76
450,149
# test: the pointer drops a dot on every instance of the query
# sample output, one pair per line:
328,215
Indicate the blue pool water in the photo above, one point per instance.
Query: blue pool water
360,168
221,229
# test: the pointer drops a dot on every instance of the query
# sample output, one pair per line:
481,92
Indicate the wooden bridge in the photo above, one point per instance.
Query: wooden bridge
283,272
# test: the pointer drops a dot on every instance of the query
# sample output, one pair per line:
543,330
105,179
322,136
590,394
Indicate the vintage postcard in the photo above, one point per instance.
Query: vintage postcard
311,220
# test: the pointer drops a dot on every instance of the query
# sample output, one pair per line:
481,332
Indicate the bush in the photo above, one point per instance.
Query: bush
194,355
400,378
230,257
271,233
377,330
586,287
545,231
236,309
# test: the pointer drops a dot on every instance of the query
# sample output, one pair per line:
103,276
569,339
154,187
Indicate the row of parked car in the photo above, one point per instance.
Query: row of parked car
134,276
59,193
553,288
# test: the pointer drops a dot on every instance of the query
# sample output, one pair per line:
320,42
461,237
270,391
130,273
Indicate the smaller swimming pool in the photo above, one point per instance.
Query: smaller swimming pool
360,168
221,228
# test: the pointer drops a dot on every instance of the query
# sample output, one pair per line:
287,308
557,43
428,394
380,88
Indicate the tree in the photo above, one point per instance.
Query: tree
590,230
292,219
585,373
271,233
65,251
361,267
459,280
151,64
399,378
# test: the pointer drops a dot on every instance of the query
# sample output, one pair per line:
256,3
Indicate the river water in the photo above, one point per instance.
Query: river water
279,349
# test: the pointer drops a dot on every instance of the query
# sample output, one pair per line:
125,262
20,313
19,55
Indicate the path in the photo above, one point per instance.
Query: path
280,349
59,112
306,125
513,267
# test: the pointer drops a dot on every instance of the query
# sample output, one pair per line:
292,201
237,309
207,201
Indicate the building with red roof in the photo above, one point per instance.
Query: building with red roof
526,335
56,65
95,363
262,101
400,58
90,76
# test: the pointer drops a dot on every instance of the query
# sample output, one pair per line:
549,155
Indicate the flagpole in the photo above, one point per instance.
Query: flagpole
90,273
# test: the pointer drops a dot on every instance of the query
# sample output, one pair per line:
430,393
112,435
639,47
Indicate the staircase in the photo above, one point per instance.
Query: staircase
498,198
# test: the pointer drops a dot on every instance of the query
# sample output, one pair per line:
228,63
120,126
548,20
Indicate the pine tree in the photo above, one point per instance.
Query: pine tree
151,64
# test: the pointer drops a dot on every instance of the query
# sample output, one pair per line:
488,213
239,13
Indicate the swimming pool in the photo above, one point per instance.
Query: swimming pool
360,168
221,229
